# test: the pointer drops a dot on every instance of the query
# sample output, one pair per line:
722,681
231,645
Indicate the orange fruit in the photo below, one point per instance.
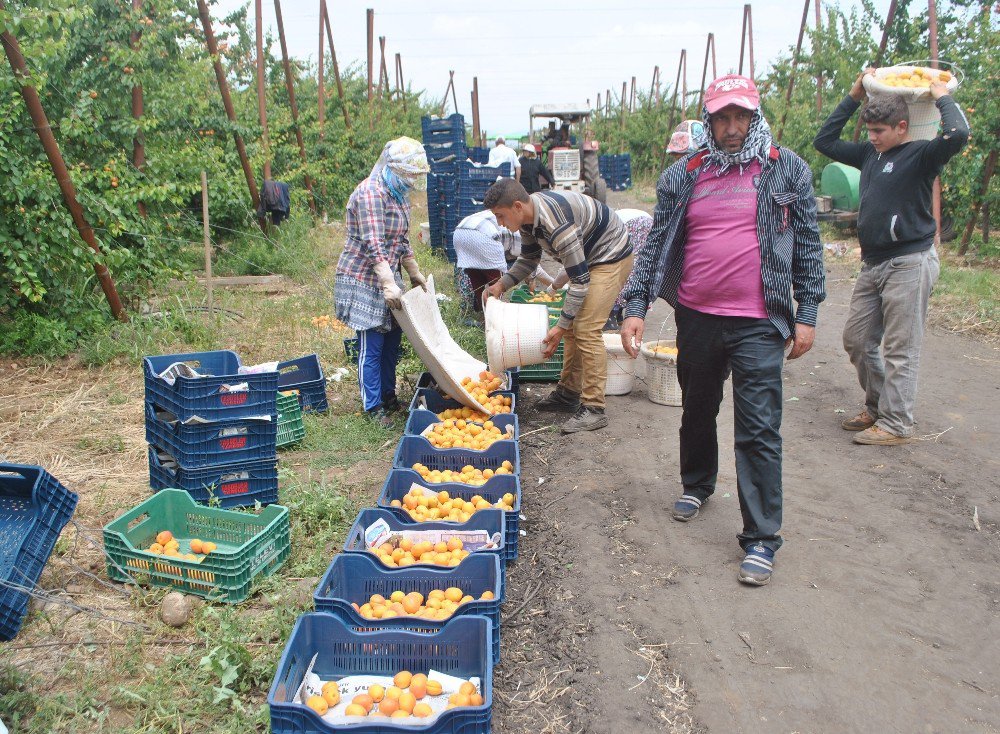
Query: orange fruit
402,678
331,695
388,706
455,544
355,710
364,700
392,692
208,546
467,688
412,603
400,714
418,688
459,699
407,701
422,710
453,594
318,704
487,595
475,700
156,548
377,692
433,688
196,546
164,537
419,678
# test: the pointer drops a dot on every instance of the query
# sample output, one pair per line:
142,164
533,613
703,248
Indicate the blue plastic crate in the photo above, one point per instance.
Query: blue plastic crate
399,481
454,121
354,578
206,396
469,171
34,508
428,399
305,374
228,485
417,449
492,521
420,419
479,155
462,648
208,444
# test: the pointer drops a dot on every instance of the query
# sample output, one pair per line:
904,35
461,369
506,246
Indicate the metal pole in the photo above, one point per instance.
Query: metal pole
743,39
208,242
138,146
370,15
624,102
261,89
336,66
684,84
932,31
454,96
475,111
383,71
41,123
889,18
607,103
753,68
227,100
402,82
715,73
599,107
791,74
290,87
654,88
673,101
631,101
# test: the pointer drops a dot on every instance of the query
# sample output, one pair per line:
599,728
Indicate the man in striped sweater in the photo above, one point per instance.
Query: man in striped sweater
593,245
734,241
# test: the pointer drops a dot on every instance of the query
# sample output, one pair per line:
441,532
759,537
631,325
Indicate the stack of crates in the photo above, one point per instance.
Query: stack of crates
474,180
616,170
213,435
338,641
479,155
444,143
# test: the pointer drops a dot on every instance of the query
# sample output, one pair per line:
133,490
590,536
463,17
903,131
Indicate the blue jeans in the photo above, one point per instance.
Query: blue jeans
709,347
378,352
884,332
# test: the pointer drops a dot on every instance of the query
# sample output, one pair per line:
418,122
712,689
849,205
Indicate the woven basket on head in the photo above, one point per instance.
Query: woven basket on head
661,373
924,115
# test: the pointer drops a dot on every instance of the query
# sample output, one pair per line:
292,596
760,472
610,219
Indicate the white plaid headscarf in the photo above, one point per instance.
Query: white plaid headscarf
756,146
405,157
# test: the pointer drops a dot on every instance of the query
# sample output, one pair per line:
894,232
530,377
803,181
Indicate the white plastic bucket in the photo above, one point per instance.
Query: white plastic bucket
621,367
925,118
514,334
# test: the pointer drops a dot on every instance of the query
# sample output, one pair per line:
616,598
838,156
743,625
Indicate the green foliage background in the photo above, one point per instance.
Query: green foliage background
968,35
81,61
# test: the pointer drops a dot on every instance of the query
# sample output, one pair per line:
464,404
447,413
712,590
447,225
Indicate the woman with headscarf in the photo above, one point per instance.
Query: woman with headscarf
368,282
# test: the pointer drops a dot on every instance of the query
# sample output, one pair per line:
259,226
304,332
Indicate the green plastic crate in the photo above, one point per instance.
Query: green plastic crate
523,295
248,545
291,429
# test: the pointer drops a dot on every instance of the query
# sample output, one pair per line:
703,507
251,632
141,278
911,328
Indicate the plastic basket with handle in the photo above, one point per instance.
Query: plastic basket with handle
335,649
248,546
34,508
661,373
925,118
353,578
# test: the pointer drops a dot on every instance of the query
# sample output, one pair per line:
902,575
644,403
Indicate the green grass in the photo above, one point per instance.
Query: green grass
968,298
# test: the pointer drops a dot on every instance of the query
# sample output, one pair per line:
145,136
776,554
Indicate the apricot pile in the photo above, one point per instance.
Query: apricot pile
468,474
406,697
405,552
439,604
166,544
460,433
442,506
916,79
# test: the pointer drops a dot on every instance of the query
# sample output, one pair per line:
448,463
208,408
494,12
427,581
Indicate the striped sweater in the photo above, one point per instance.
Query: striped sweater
578,231
791,255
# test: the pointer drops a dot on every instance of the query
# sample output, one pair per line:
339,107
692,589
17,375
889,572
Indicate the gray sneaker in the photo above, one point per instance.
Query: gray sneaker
586,418
560,400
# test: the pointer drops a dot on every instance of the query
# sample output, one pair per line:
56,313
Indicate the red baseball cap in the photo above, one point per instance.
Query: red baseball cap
732,89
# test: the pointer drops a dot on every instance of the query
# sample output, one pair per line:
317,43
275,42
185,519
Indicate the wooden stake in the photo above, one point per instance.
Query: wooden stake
889,18
320,73
261,89
819,76
631,101
370,16
208,242
747,37
336,67
932,32
290,88
383,70
704,72
227,102
44,131
791,73
138,146
475,112
402,82
988,171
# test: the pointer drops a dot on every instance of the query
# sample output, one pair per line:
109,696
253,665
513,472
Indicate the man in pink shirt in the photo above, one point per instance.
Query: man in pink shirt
735,250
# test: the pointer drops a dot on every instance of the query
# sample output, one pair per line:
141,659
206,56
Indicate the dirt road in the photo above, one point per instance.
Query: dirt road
884,611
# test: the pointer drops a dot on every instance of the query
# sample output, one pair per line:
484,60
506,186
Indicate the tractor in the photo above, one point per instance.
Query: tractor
572,155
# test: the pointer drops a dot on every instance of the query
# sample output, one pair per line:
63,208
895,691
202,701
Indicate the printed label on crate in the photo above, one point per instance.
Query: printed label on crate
356,685
235,431
262,556
472,540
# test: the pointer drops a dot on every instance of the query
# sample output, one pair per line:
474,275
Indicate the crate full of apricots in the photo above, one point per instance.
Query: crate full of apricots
332,676
364,593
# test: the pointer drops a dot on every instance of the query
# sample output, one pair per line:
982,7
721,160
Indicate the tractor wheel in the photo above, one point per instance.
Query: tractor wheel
601,191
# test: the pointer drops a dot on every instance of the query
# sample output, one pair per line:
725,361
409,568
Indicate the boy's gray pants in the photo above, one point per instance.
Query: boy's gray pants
889,310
